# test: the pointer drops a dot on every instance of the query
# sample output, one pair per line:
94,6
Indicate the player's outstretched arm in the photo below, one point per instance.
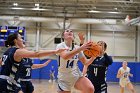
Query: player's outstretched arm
86,61
24,53
69,54
35,66
84,70
82,38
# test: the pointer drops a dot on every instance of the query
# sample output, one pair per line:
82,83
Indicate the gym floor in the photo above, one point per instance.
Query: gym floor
44,86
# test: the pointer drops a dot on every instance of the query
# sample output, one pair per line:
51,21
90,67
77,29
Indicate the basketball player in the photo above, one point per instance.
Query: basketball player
24,73
69,74
11,60
96,71
52,77
123,75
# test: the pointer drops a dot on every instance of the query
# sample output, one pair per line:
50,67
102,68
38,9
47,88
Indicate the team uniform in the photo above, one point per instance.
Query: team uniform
124,80
68,71
24,73
8,75
96,73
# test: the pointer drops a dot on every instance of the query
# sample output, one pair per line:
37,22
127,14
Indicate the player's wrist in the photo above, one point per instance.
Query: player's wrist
79,49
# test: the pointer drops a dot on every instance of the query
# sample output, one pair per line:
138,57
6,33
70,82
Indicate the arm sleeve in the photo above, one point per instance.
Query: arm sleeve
108,59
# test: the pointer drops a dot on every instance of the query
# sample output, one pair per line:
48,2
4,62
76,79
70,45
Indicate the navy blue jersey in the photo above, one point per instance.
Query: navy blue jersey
9,70
9,65
24,71
97,70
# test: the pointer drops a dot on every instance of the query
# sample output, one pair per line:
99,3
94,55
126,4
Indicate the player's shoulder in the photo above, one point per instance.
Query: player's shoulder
121,68
60,45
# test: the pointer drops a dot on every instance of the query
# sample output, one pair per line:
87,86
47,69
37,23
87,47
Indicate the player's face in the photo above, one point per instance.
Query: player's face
68,34
124,64
20,41
101,43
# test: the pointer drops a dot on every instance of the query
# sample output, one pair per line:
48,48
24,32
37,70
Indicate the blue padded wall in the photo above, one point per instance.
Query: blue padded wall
44,73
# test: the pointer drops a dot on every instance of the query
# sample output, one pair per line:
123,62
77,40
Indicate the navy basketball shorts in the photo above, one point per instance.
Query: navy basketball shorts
27,86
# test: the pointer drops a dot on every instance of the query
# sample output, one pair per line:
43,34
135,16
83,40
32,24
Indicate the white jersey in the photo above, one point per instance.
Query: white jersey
68,69
124,79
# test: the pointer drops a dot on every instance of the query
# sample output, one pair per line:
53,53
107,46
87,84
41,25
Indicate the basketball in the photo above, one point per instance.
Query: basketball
95,50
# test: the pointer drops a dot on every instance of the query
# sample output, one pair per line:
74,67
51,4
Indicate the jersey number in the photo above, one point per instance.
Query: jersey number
4,59
95,71
69,64
28,71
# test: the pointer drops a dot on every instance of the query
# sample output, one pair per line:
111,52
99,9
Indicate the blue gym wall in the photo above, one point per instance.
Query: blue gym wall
43,73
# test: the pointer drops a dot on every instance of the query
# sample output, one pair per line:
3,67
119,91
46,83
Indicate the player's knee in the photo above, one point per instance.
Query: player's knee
132,90
90,89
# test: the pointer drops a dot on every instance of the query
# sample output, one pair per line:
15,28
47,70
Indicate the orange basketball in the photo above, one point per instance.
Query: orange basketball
95,50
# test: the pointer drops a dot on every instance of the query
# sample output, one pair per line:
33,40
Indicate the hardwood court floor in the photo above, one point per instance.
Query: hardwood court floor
44,86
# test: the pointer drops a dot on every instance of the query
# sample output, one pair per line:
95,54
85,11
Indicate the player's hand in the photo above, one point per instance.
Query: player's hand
47,62
131,75
86,45
81,36
121,74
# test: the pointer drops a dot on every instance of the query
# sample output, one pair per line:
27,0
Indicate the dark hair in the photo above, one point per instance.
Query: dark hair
105,46
62,36
10,40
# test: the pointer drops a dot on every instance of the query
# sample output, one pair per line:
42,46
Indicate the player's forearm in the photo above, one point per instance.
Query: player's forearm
81,42
45,53
119,75
36,66
89,61
70,54
85,70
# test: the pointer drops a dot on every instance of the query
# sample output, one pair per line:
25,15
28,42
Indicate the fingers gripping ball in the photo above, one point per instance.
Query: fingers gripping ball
95,50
